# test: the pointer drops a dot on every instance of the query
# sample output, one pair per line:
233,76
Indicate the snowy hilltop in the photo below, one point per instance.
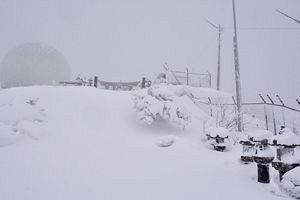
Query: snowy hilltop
88,143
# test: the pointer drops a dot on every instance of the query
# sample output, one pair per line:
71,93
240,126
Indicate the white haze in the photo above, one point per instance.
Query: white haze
125,40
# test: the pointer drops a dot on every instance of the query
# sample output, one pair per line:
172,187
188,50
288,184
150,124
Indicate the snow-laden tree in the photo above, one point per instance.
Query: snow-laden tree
160,102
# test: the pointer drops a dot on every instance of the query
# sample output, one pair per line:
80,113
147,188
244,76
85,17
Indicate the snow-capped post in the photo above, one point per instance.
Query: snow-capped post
261,154
248,150
249,142
263,157
218,139
96,81
285,143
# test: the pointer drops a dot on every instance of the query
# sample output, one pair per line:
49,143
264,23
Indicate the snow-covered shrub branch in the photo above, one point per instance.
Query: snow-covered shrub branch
159,102
225,116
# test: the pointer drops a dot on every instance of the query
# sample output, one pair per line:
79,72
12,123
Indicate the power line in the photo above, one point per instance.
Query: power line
292,18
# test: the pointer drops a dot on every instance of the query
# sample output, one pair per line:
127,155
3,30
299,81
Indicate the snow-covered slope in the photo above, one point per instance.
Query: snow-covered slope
69,143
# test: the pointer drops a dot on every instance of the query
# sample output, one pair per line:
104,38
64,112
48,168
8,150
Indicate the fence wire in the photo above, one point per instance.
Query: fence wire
259,115
192,79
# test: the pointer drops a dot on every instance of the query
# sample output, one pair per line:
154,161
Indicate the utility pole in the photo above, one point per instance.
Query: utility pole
220,29
237,74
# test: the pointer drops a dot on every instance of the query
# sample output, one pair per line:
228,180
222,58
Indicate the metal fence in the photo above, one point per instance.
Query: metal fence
192,79
189,78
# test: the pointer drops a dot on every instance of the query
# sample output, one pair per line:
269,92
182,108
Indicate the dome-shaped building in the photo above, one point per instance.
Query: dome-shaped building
33,64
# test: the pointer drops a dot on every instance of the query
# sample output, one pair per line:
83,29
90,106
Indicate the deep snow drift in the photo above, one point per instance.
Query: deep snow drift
85,143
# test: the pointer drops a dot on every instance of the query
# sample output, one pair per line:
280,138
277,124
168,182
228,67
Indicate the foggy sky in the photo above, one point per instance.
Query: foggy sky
125,40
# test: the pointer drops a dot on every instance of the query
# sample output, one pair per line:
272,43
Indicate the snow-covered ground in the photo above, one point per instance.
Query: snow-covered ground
69,143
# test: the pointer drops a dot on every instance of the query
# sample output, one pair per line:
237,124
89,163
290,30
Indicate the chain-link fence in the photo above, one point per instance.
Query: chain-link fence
190,78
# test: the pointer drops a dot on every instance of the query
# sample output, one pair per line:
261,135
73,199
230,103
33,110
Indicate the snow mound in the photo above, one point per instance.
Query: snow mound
259,135
287,137
291,182
222,132
166,141
91,145
20,116
7,135
32,129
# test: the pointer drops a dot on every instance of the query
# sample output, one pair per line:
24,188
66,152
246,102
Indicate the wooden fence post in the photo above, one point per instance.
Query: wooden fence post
96,81
211,112
209,78
187,76
143,82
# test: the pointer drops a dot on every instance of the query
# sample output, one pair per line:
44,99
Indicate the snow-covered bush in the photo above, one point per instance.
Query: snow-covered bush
225,116
160,102
161,78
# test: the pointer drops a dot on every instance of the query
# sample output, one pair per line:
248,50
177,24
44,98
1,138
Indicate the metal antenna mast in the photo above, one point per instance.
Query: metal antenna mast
220,29
296,20
237,74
